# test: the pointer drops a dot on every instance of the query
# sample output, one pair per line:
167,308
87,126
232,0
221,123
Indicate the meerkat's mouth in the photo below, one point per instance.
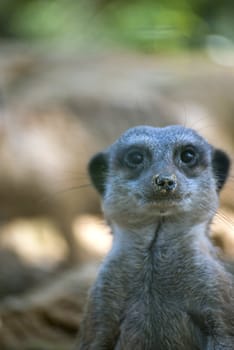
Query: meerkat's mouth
161,202
166,201
168,197
165,206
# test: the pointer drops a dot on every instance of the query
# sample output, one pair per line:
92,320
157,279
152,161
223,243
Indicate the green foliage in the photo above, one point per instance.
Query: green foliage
148,25
50,19
153,27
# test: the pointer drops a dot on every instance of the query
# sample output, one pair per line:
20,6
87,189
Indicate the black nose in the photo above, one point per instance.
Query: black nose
164,183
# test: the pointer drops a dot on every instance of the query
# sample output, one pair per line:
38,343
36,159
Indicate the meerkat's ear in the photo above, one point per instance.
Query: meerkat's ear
97,169
221,164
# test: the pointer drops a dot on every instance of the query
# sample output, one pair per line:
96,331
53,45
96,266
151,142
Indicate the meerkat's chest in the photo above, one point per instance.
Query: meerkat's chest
155,314
152,324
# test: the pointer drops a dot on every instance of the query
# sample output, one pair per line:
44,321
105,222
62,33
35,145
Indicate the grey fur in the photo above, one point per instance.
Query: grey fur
162,286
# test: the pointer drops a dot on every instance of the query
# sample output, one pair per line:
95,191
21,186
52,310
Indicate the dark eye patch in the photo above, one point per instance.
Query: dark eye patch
189,156
133,158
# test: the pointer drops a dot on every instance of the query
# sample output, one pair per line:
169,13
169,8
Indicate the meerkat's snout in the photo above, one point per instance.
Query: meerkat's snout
164,183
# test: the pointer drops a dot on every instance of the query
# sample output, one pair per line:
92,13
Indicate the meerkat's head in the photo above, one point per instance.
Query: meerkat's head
153,172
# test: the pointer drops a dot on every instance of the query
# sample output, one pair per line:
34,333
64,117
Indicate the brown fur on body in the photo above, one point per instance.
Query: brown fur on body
162,286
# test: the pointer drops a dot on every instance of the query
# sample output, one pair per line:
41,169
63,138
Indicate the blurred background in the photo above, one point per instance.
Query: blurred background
73,76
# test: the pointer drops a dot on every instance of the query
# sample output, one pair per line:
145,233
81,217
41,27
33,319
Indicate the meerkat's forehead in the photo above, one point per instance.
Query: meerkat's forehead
166,135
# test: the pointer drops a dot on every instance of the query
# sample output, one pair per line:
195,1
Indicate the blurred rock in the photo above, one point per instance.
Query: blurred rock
48,318
16,276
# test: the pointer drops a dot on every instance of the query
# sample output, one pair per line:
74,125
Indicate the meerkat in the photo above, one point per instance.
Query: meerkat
162,285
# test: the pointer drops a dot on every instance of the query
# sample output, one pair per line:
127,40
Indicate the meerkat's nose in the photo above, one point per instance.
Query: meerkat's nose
164,183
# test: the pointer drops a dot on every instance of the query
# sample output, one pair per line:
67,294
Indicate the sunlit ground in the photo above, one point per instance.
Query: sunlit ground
38,242
223,231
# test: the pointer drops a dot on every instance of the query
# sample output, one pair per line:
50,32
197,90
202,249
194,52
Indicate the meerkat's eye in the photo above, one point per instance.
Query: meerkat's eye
189,156
134,158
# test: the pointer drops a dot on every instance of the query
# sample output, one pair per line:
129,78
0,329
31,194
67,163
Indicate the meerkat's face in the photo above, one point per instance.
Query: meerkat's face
153,172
